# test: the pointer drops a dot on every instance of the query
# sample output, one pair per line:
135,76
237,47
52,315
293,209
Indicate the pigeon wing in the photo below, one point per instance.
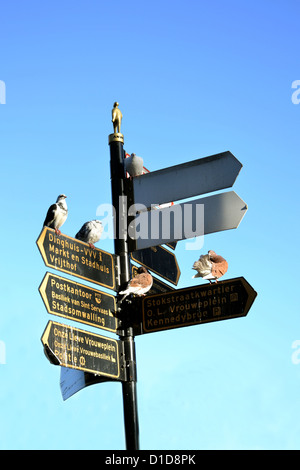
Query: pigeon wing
83,232
220,268
50,217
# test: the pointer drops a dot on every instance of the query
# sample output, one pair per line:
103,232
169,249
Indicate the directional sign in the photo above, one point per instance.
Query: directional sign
77,349
195,218
196,305
77,302
186,180
158,287
159,260
75,257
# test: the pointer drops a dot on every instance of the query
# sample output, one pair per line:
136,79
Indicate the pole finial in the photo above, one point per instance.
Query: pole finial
116,120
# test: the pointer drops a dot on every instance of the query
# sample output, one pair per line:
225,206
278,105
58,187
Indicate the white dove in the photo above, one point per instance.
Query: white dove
57,214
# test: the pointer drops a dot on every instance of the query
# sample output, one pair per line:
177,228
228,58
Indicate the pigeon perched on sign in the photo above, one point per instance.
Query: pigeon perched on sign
90,232
210,266
57,214
134,165
139,285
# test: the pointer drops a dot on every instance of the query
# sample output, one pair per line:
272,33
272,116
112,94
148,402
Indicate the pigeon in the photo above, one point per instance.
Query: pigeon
134,165
138,285
57,214
210,266
90,232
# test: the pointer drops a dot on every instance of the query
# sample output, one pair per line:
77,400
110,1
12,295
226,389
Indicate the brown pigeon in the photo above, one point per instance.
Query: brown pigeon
138,285
210,266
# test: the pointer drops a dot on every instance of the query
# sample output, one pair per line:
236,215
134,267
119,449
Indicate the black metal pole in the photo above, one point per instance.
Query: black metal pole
119,202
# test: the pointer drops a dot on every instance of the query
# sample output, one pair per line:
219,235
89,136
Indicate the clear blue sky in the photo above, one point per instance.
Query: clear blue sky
193,79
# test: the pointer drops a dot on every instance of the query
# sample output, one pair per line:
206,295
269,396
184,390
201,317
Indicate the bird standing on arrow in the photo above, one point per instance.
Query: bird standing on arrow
90,232
210,266
57,214
139,285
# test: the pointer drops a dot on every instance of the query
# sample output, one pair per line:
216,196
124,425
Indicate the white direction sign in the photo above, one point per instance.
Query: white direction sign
186,180
187,220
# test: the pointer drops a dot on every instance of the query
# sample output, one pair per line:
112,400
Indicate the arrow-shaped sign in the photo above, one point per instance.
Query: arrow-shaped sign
199,217
77,302
186,180
232,298
159,260
77,349
158,287
72,256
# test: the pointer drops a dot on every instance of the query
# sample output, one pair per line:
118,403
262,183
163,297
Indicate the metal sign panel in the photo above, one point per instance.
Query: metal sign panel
159,260
77,302
72,381
74,257
186,180
77,349
195,218
228,299
158,287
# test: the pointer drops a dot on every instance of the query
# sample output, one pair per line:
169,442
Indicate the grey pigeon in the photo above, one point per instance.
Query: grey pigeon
210,266
139,285
57,214
90,232
134,165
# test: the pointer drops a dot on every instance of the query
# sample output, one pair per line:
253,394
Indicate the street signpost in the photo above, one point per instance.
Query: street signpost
74,301
186,180
158,287
159,260
191,219
197,305
77,349
152,221
74,257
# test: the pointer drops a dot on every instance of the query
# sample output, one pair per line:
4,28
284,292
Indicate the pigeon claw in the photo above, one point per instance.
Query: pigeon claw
58,232
92,246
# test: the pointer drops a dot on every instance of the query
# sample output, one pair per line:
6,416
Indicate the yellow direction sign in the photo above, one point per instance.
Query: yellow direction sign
77,302
77,349
195,305
75,257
